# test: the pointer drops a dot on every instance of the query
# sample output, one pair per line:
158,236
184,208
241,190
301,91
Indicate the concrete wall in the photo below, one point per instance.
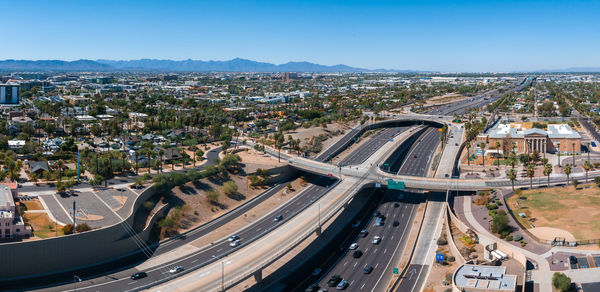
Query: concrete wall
61,254
453,249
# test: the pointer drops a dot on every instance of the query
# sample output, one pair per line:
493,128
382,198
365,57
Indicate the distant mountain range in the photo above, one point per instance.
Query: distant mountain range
235,65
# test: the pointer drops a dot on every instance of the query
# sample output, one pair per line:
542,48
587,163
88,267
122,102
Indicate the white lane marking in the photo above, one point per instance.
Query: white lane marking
345,263
367,249
384,251
356,263
195,261
351,282
363,285
392,237
131,283
376,265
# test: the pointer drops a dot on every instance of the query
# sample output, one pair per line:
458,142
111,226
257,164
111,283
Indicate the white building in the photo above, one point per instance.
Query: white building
11,224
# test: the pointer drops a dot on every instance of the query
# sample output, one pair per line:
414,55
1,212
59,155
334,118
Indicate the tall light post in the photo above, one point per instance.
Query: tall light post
558,146
573,149
222,272
75,280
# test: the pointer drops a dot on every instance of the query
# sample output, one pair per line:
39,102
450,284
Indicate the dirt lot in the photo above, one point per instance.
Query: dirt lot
253,160
305,135
441,271
575,211
33,204
444,99
42,226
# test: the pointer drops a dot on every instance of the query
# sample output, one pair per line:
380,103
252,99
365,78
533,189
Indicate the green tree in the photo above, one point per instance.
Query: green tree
213,195
229,188
512,175
587,166
499,222
547,171
561,282
482,146
567,170
530,174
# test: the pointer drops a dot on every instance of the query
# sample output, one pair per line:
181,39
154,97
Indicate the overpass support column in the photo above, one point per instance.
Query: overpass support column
258,276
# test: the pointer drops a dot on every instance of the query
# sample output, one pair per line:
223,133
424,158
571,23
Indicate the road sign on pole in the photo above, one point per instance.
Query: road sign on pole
396,272
395,185
439,257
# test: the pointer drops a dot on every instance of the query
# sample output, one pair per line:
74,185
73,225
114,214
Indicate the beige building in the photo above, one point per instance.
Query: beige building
558,137
479,278
11,224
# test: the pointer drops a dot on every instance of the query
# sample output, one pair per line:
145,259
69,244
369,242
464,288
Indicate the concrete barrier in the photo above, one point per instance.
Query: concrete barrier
43,257
453,249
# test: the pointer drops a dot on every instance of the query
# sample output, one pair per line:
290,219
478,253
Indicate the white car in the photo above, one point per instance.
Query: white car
234,238
376,239
354,246
235,243
175,270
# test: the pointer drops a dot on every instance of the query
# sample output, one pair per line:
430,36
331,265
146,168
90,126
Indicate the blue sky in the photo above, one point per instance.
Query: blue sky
422,35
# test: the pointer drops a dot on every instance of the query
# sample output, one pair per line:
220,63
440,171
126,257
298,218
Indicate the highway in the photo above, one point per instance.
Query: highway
419,157
120,281
364,151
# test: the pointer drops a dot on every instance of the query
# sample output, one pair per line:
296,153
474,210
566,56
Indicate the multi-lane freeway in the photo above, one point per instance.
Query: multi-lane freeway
373,143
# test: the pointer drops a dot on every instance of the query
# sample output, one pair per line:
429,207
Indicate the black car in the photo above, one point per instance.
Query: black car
368,269
357,254
312,288
139,275
573,260
396,223
334,280
363,233
396,205
278,218
377,214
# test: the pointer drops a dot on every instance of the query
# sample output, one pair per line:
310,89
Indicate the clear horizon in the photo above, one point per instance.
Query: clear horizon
463,36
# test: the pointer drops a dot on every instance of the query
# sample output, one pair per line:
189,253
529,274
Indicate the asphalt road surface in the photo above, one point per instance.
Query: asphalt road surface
420,155
375,142
120,281
381,255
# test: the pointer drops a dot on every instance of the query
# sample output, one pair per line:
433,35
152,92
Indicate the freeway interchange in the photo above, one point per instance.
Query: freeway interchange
211,262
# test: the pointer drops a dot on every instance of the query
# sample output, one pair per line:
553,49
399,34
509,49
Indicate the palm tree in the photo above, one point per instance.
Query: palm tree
482,146
588,149
60,164
193,149
586,166
512,158
468,154
567,171
512,175
161,152
498,154
530,174
558,147
137,155
547,171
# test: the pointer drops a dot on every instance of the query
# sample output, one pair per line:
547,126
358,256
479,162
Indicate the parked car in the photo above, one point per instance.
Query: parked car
573,260
342,285
334,280
175,270
357,254
368,269
376,240
139,275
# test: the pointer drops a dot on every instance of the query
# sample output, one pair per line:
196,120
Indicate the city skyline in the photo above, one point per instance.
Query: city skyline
458,37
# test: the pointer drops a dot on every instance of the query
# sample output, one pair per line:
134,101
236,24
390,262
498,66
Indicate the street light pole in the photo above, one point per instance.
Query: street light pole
222,272
75,280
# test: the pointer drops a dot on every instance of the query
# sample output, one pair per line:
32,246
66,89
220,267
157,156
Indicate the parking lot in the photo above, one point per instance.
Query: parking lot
586,262
96,208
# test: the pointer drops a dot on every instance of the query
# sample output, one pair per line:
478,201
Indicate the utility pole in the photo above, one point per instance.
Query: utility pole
77,164
74,214
222,272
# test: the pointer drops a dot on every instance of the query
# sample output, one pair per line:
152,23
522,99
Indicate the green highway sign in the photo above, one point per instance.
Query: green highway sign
395,185
395,271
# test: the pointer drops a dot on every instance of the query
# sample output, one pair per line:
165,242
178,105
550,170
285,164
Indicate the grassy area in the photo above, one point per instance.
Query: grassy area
567,208
42,226
33,205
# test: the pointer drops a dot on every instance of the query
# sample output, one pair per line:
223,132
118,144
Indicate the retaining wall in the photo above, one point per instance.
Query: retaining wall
35,258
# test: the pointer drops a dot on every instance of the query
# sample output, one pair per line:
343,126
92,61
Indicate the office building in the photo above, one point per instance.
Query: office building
9,94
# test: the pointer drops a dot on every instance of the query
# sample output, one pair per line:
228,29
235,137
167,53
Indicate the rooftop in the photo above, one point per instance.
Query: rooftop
6,196
517,131
484,277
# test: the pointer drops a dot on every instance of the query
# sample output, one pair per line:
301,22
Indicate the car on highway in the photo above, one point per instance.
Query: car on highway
368,269
396,223
396,205
357,254
176,269
139,275
376,240
342,285
379,222
363,233
312,288
377,214
356,223
334,280
278,218
235,243
354,246
234,238
593,144
316,272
